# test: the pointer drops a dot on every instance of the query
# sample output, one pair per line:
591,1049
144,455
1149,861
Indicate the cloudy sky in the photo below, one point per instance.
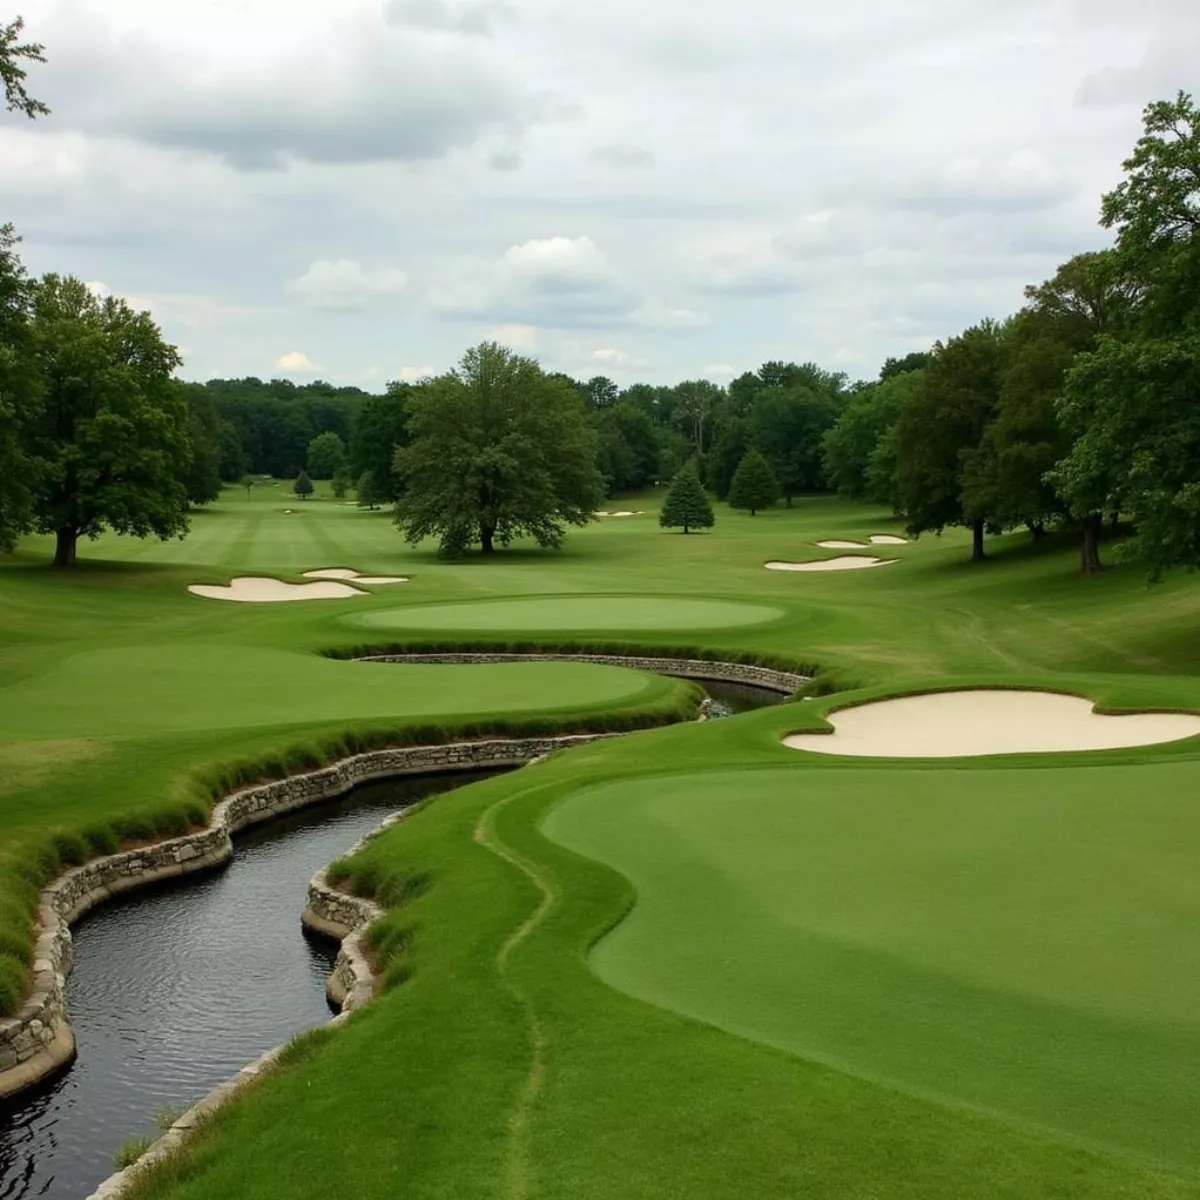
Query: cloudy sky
360,189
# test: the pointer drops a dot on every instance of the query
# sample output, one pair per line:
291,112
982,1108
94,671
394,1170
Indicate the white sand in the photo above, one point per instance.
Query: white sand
344,573
971,723
249,590
879,539
639,513
857,562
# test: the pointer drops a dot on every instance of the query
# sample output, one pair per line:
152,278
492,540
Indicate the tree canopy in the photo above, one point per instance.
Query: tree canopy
326,456
20,395
498,450
14,53
110,442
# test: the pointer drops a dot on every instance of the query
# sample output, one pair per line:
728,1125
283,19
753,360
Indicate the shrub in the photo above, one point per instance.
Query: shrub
131,1150
70,847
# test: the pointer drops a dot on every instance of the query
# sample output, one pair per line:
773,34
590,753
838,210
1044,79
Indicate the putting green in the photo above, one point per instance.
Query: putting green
574,613
1020,941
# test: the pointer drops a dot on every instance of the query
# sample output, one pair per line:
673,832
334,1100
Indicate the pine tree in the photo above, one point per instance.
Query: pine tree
687,505
304,486
754,484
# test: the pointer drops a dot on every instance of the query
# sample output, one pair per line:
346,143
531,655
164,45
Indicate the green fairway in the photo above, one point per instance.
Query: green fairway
574,615
686,962
1013,943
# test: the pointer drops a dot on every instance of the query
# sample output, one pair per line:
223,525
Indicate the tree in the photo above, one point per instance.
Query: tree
326,456
112,438
729,448
1130,404
367,496
754,485
248,484
380,429
203,478
303,487
498,450
789,425
13,53
941,425
918,360
341,485
850,447
686,507
20,398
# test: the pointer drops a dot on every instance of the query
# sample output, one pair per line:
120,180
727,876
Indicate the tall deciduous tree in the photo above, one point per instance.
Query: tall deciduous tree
326,456
19,393
14,53
112,437
367,496
687,506
380,429
498,450
850,446
942,425
754,484
1132,403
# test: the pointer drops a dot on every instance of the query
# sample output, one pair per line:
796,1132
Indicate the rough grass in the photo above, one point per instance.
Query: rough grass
498,1063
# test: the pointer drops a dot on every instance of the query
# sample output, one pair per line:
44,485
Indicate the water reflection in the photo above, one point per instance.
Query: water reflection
178,987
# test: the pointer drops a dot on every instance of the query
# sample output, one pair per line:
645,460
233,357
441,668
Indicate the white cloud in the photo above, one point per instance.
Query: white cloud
295,362
720,371
554,281
343,285
838,183
607,356
100,290
522,338
415,374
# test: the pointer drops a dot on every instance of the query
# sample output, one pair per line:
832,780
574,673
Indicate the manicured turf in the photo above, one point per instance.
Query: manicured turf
1013,944
567,614
748,971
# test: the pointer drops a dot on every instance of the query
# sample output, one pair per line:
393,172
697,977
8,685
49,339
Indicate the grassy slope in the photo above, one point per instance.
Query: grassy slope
633,1099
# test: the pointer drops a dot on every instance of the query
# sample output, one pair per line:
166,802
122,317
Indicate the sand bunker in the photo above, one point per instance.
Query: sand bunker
248,590
967,724
346,574
639,513
857,562
880,539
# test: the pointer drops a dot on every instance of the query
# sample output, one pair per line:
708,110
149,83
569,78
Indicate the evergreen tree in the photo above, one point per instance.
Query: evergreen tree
303,486
341,485
687,506
754,484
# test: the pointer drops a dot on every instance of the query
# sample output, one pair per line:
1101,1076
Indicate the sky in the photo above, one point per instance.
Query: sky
652,190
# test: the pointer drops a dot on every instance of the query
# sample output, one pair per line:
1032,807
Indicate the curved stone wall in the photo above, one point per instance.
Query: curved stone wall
38,1040
785,682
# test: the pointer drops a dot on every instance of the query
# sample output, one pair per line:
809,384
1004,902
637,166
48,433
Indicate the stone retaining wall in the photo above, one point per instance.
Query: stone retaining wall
38,1040
786,682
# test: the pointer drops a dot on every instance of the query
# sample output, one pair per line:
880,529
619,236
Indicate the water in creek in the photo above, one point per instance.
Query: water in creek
178,987
729,699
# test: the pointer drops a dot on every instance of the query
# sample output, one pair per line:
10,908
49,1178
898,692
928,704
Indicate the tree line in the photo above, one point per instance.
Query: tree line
1081,410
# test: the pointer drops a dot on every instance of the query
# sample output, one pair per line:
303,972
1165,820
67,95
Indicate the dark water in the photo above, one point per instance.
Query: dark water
178,987
729,699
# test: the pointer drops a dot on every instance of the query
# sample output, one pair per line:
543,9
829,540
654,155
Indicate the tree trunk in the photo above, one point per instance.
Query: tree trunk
1038,530
486,535
64,548
1091,564
685,528
977,551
